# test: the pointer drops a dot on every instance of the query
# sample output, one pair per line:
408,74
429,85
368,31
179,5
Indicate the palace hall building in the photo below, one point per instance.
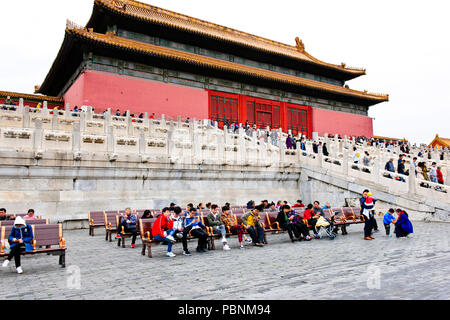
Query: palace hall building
137,57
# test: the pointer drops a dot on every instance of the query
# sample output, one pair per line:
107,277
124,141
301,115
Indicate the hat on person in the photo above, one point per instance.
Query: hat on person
19,221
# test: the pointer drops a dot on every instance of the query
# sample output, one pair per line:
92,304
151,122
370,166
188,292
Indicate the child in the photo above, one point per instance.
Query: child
387,220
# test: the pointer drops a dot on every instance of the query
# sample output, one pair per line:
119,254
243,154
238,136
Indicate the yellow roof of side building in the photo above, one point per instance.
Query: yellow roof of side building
440,142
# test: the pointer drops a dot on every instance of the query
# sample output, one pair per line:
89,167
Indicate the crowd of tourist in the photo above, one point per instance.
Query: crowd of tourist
175,223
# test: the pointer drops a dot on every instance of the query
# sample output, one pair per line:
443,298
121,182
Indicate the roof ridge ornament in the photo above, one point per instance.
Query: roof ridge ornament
300,44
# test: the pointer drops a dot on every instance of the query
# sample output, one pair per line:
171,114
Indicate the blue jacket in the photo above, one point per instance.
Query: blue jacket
26,234
188,221
405,224
389,167
133,220
388,218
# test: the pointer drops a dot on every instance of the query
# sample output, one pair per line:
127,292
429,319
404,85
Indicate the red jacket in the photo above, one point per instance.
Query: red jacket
160,224
440,177
307,214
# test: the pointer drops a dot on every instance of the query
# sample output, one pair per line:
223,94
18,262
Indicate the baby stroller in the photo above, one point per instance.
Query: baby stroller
327,225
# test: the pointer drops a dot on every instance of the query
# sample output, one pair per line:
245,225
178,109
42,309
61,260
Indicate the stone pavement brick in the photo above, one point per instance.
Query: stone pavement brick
347,267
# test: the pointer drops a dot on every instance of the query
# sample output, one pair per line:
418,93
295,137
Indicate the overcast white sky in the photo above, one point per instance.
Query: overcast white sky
404,46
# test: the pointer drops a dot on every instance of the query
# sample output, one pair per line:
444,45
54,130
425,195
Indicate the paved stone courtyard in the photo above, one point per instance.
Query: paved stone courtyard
345,268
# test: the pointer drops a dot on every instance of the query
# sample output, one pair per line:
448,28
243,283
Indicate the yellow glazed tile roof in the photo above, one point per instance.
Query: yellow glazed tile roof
31,96
110,39
154,14
443,142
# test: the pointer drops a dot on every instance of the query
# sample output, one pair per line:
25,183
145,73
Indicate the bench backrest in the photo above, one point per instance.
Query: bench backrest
156,212
270,219
48,235
328,213
111,219
96,218
239,211
145,228
31,222
348,213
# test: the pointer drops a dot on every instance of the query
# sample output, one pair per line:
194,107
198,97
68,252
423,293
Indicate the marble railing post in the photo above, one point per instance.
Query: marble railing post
163,121
319,157
195,151
142,143
20,107
221,147
55,120
412,179
170,140
26,117
345,162
67,111
242,146
315,136
76,141
45,112
376,171
89,114
151,127
108,120
82,121
129,123
38,138
146,120
111,145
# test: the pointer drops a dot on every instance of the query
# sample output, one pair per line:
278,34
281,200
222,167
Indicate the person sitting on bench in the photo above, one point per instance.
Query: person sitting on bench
30,215
251,223
162,223
284,219
3,215
20,238
193,225
215,221
235,228
128,221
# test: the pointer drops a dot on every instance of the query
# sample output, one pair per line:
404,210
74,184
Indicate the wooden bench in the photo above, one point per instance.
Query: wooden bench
44,235
96,220
111,223
31,222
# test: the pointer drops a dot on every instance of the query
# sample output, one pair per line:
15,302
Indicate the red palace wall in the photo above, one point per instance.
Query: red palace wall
103,90
333,122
